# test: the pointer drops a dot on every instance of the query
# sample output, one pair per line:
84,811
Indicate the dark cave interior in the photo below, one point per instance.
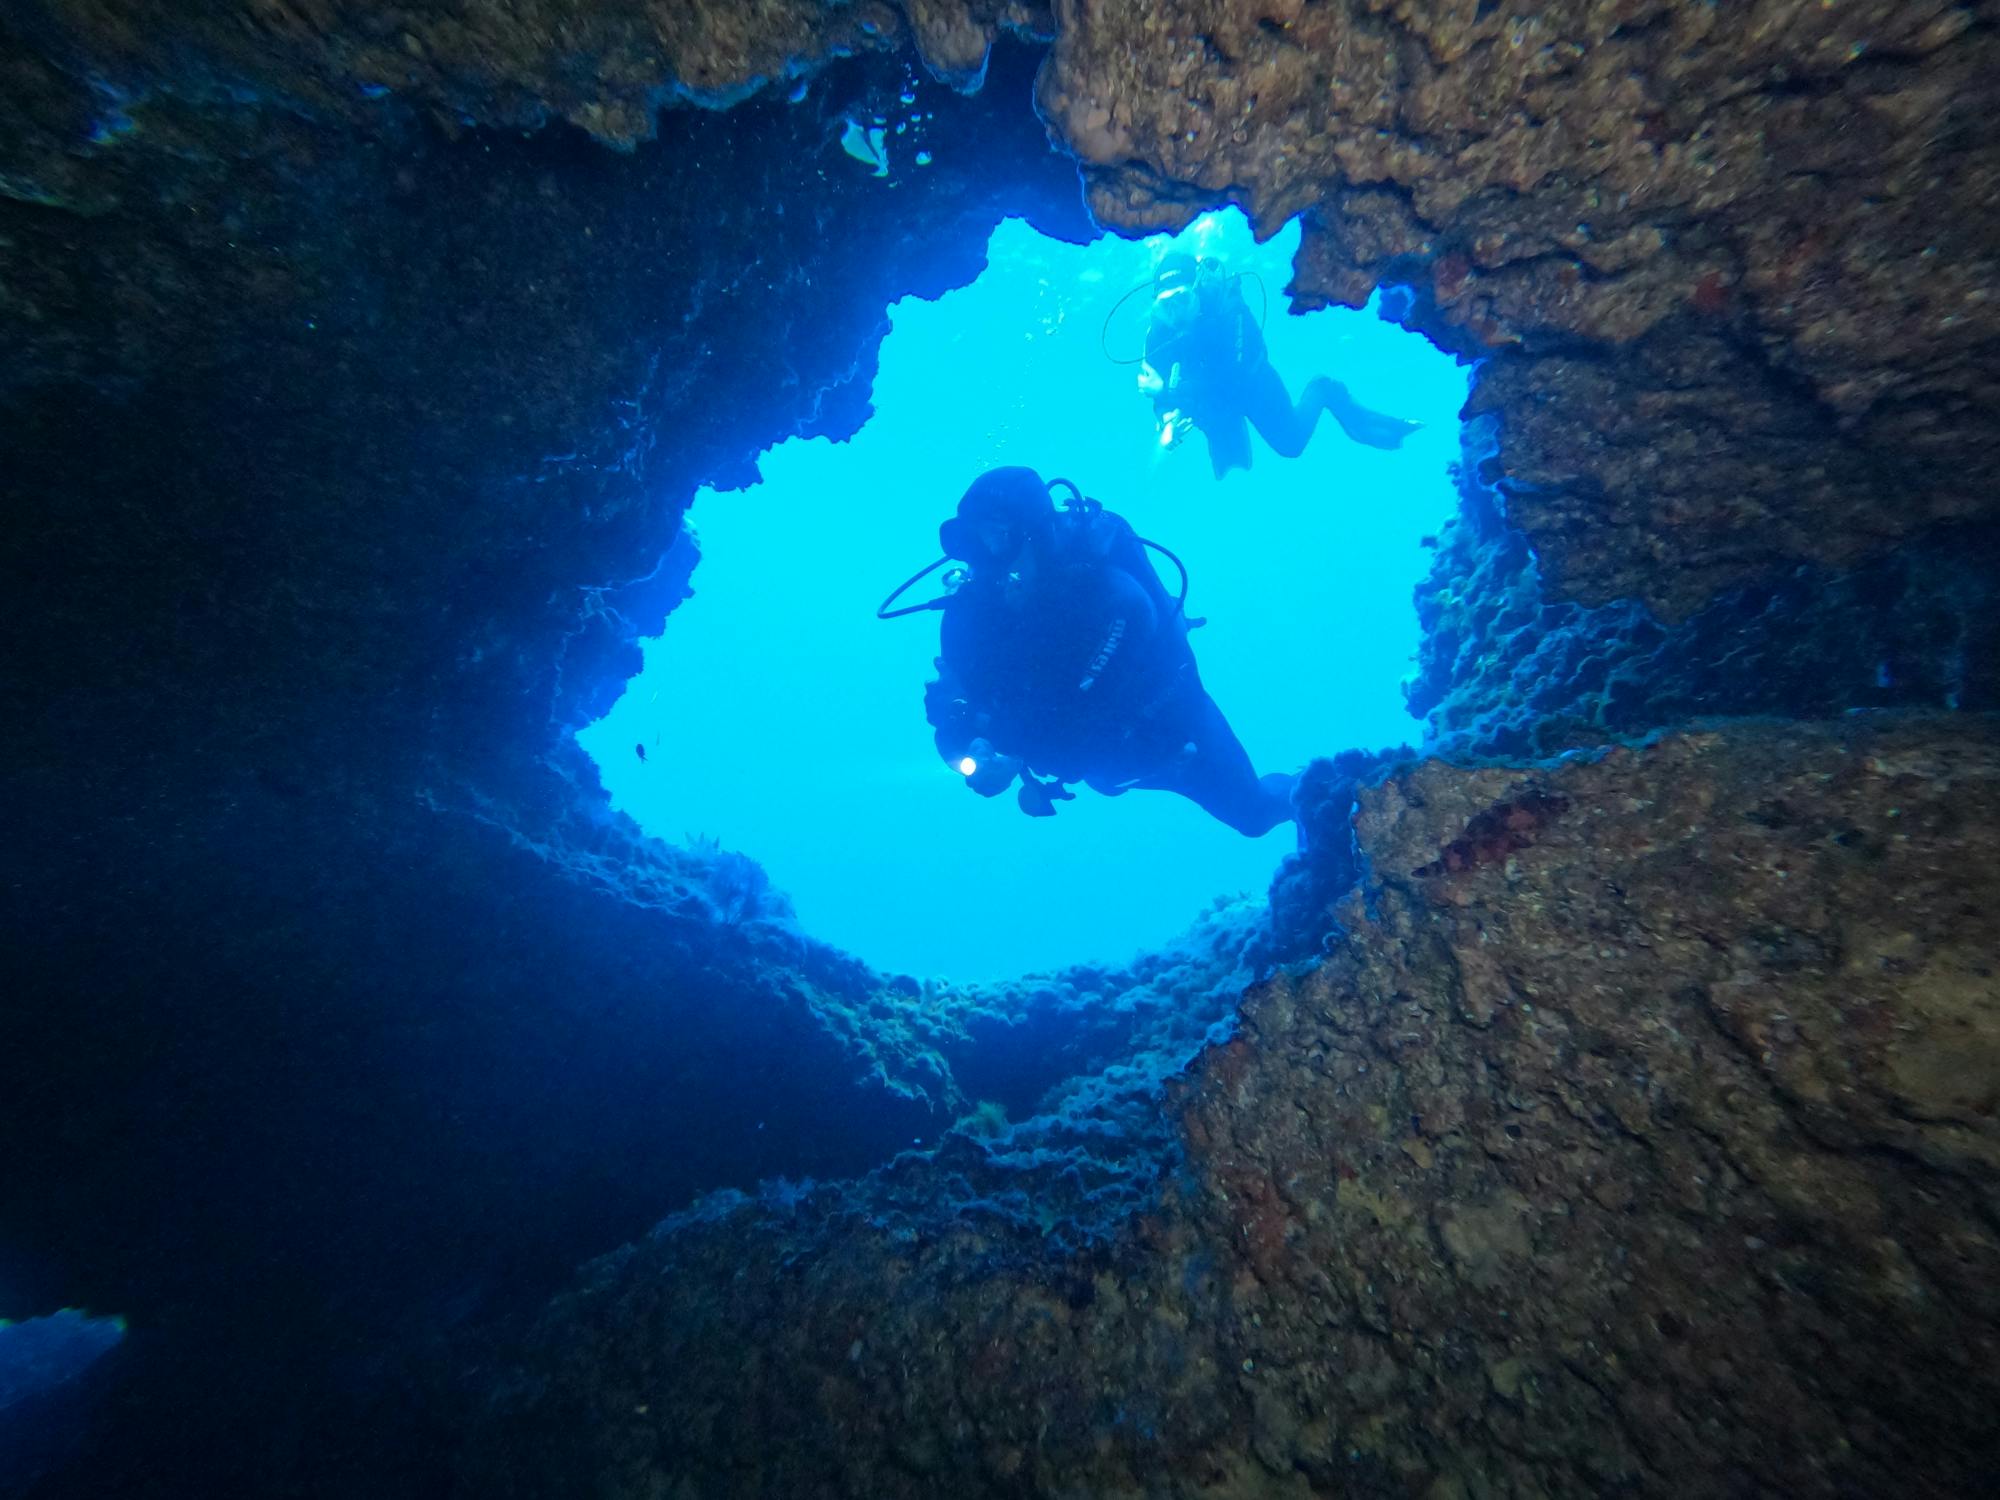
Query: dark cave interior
345,1026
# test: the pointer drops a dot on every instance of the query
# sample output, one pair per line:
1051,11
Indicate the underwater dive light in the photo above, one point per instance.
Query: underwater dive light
967,766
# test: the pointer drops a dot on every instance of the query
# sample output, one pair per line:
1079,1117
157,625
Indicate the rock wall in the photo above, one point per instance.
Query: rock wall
1640,1138
1732,266
1504,670
358,362
340,455
605,68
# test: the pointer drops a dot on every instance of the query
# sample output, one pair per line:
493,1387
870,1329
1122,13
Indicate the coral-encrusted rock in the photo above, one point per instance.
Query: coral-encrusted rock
1736,265
325,450
1642,1138
334,402
1505,671
1742,262
604,67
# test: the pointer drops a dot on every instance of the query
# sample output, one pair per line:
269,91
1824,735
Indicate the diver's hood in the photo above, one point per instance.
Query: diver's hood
1175,271
1014,495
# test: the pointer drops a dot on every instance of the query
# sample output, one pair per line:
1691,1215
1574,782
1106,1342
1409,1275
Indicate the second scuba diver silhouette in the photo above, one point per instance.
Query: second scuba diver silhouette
1205,366
1063,659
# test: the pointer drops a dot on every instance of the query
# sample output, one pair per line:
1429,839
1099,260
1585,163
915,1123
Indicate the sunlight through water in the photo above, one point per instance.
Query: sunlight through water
778,716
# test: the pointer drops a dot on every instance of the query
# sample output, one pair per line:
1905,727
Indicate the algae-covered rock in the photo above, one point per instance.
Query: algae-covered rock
1733,267
1650,1148
1635,1135
1506,669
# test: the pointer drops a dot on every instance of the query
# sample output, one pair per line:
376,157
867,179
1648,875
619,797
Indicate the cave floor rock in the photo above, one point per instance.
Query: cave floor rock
1640,1139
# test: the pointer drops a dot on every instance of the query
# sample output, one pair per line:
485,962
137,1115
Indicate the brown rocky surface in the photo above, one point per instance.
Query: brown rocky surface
1503,671
606,67
1641,1138
1734,267
1738,267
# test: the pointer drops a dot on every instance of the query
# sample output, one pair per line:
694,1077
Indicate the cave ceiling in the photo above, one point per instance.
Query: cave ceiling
355,352
1730,267
1598,1161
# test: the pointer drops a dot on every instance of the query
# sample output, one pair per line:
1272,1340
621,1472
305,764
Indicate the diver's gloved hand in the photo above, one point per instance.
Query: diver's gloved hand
1174,428
986,771
1038,798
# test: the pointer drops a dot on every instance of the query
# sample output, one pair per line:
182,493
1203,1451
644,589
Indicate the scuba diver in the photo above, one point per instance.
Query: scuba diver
1064,659
1205,366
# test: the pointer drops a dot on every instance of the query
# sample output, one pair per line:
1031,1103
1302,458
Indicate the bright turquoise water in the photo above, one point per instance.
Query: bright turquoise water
781,718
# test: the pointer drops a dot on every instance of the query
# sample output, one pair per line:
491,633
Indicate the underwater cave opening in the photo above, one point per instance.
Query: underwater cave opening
776,716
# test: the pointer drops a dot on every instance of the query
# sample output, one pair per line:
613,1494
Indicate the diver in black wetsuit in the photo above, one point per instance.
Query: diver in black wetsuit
1206,366
1064,659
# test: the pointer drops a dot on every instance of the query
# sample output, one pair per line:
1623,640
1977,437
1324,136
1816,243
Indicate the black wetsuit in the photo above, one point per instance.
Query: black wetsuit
1226,382
1079,665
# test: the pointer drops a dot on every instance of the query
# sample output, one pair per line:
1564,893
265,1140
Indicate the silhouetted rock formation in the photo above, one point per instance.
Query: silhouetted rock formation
338,466
1639,1138
356,365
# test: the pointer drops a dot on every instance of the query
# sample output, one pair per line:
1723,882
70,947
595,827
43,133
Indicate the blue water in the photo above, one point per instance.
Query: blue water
779,717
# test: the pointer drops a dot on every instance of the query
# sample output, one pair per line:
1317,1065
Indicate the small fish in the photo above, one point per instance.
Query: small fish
641,749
